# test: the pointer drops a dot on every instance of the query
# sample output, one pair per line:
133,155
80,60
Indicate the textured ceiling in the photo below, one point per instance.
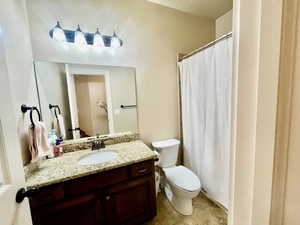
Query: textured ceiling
207,8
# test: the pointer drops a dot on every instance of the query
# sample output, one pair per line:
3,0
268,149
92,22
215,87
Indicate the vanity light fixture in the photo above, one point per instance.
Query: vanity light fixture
79,38
115,41
58,33
98,39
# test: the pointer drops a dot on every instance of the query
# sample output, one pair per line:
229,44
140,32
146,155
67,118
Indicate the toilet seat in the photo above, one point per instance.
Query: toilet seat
183,178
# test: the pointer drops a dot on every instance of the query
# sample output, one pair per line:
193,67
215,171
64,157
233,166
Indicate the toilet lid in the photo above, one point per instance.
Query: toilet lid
183,178
165,143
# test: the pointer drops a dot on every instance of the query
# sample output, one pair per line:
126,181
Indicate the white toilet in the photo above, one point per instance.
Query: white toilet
181,184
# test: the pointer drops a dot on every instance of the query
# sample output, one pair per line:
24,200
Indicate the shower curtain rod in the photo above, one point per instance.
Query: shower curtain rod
204,47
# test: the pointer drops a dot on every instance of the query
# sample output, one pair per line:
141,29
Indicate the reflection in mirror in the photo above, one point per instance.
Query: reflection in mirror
83,100
91,104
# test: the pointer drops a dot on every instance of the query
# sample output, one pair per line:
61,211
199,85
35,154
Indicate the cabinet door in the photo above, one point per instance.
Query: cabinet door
83,210
131,203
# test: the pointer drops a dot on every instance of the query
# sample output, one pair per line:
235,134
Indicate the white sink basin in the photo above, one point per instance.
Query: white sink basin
97,157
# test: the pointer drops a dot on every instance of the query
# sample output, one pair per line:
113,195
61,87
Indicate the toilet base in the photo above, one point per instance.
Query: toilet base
182,205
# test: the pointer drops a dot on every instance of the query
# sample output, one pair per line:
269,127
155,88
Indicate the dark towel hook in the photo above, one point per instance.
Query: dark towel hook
25,108
56,107
127,106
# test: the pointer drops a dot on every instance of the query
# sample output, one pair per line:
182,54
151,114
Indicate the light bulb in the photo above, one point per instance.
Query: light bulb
79,37
98,39
115,41
58,33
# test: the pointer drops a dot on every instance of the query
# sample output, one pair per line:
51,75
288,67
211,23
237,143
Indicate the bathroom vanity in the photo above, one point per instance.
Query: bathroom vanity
119,191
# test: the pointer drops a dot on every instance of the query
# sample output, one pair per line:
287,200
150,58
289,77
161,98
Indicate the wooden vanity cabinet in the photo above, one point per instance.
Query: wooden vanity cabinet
123,196
130,203
80,210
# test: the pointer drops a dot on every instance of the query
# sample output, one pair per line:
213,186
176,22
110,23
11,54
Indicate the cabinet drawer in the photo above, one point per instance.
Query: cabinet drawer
142,169
47,195
96,181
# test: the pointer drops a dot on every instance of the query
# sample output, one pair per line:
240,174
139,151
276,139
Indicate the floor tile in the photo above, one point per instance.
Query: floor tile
205,213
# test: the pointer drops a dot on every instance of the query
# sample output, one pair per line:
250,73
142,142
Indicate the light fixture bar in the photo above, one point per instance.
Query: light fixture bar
69,36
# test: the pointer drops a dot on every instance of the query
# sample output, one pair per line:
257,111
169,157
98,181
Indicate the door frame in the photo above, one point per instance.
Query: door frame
71,71
13,177
256,58
288,63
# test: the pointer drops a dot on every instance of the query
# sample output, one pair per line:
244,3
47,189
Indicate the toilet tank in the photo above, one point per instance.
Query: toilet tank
168,152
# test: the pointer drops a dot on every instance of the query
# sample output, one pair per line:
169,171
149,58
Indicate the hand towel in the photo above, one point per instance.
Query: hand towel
61,126
38,145
58,124
54,123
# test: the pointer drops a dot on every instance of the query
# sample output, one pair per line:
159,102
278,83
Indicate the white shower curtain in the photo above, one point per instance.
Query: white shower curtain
206,80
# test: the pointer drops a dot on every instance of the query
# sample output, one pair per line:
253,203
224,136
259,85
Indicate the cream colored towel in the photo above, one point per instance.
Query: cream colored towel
58,124
38,145
54,123
61,126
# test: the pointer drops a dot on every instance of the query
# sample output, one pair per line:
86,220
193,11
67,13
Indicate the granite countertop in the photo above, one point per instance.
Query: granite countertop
66,167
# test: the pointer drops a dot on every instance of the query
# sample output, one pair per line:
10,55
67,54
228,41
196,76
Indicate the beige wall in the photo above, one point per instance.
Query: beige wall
224,24
153,35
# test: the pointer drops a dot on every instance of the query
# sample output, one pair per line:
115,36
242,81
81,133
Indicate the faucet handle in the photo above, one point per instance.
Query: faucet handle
102,144
103,140
93,145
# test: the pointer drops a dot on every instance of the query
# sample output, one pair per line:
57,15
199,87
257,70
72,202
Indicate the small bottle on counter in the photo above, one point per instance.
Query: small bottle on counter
58,149
52,141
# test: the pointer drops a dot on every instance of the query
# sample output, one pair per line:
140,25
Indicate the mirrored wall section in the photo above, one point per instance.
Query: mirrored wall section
80,101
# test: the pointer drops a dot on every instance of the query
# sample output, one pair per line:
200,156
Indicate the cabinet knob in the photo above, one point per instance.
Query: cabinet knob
107,197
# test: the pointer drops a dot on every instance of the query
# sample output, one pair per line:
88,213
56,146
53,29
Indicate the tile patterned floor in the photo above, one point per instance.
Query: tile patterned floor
205,213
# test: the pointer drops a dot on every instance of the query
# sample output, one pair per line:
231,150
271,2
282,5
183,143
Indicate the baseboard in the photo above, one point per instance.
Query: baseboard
214,201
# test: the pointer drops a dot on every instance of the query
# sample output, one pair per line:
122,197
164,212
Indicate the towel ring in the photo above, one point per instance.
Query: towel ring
25,108
55,112
56,107
31,115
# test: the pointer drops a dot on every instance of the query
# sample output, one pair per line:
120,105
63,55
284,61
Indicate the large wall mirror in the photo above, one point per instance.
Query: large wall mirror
80,101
